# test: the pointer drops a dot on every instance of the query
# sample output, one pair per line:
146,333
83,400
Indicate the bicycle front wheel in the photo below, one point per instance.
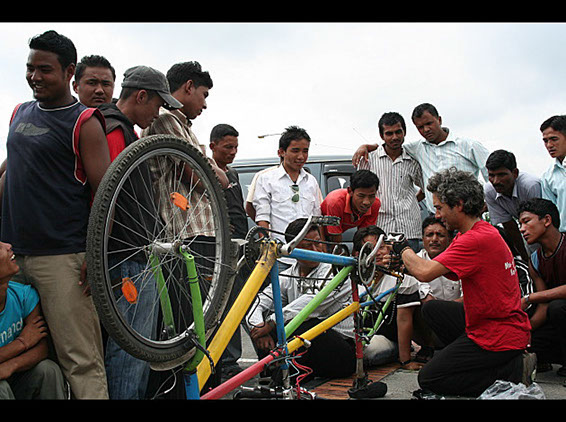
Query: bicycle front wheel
160,195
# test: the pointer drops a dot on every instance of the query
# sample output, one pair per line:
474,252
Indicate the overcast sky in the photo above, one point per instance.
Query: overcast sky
493,82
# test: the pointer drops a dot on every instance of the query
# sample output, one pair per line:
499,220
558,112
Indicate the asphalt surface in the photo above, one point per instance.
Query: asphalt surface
402,383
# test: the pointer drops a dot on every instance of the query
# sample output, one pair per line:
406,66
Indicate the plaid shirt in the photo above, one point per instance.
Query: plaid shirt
181,223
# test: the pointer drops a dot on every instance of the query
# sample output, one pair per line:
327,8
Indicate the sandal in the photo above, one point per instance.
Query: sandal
411,365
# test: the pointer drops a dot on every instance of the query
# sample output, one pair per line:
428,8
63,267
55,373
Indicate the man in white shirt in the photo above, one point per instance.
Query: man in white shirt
299,284
436,238
287,192
438,150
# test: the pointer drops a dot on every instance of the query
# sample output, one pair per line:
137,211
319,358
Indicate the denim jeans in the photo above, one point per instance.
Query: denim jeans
128,376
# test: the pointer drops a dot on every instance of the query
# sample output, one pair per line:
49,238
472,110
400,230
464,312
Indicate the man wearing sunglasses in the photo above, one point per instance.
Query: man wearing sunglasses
288,192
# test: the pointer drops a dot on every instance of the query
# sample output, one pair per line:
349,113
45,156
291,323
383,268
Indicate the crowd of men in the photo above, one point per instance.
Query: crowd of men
483,297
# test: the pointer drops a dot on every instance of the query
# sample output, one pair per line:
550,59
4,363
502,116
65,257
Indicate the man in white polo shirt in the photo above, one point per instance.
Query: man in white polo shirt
288,192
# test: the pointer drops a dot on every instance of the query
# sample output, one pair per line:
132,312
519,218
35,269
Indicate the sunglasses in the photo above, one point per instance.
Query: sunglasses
295,189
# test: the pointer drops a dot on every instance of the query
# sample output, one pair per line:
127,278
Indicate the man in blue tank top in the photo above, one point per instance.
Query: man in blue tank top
57,155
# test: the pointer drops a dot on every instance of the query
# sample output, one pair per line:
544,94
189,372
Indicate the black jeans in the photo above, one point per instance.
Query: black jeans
549,340
330,355
462,368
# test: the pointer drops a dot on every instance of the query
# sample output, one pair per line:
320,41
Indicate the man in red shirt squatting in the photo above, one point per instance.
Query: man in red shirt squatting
492,344
356,205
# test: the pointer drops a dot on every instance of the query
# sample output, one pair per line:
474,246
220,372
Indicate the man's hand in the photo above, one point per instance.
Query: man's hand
360,154
261,337
33,332
83,281
399,247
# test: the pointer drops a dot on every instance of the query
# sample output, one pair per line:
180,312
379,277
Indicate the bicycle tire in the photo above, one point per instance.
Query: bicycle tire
114,221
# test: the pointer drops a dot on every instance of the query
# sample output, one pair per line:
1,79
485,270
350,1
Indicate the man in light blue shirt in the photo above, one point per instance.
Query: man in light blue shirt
439,149
553,180
506,189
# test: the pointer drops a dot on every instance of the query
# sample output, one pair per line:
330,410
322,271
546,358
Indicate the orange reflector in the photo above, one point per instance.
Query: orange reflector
129,290
180,201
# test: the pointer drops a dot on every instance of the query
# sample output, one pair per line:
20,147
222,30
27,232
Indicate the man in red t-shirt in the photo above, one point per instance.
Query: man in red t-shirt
497,331
357,205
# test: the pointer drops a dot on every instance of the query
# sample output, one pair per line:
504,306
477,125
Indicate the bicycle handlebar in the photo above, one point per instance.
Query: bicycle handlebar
321,220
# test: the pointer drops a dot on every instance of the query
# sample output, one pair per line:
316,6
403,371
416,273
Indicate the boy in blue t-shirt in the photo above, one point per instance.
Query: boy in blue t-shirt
25,371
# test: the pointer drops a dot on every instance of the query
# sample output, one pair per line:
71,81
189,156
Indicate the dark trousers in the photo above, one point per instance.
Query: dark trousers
330,354
549,340
462,368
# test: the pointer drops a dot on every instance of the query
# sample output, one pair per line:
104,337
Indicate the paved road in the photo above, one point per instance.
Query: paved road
401,384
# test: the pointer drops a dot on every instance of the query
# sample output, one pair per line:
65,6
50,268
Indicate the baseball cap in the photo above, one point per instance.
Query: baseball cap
145,77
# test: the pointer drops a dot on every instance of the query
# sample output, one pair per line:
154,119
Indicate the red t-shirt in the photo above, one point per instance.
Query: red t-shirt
337,204
492,297
116,143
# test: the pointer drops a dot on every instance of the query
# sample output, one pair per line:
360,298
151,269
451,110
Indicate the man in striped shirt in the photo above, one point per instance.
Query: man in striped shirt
398,175
439,149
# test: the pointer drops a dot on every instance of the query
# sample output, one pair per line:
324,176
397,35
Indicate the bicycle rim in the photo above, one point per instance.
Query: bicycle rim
138,277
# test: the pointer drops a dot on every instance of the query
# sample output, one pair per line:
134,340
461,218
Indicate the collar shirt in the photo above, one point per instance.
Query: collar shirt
338,203
273,199
409,285
503,208
198,219
441,287
553,184
297,292
399,211
462,153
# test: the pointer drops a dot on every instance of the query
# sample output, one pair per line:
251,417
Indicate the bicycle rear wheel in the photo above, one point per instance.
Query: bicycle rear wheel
159,195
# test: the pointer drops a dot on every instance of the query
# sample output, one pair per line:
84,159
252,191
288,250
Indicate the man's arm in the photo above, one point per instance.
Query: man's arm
28,349
539,316
362,153
94,153
422,269
542,294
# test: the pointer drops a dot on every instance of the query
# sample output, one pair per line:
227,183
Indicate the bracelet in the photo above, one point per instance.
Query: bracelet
403,250
23,342
405,363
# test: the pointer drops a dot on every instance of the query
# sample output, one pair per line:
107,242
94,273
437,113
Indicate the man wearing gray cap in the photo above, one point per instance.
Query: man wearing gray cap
144,92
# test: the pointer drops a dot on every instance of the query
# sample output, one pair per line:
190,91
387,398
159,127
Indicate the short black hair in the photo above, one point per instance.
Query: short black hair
541,208
56,43
364,179
422,108
292,133
501,158
221,130
358,240
558,123
390,119
430,220
295,227
180,73
93,61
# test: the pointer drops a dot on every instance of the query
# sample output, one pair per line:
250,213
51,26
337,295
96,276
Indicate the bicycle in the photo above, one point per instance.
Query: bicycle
168,312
